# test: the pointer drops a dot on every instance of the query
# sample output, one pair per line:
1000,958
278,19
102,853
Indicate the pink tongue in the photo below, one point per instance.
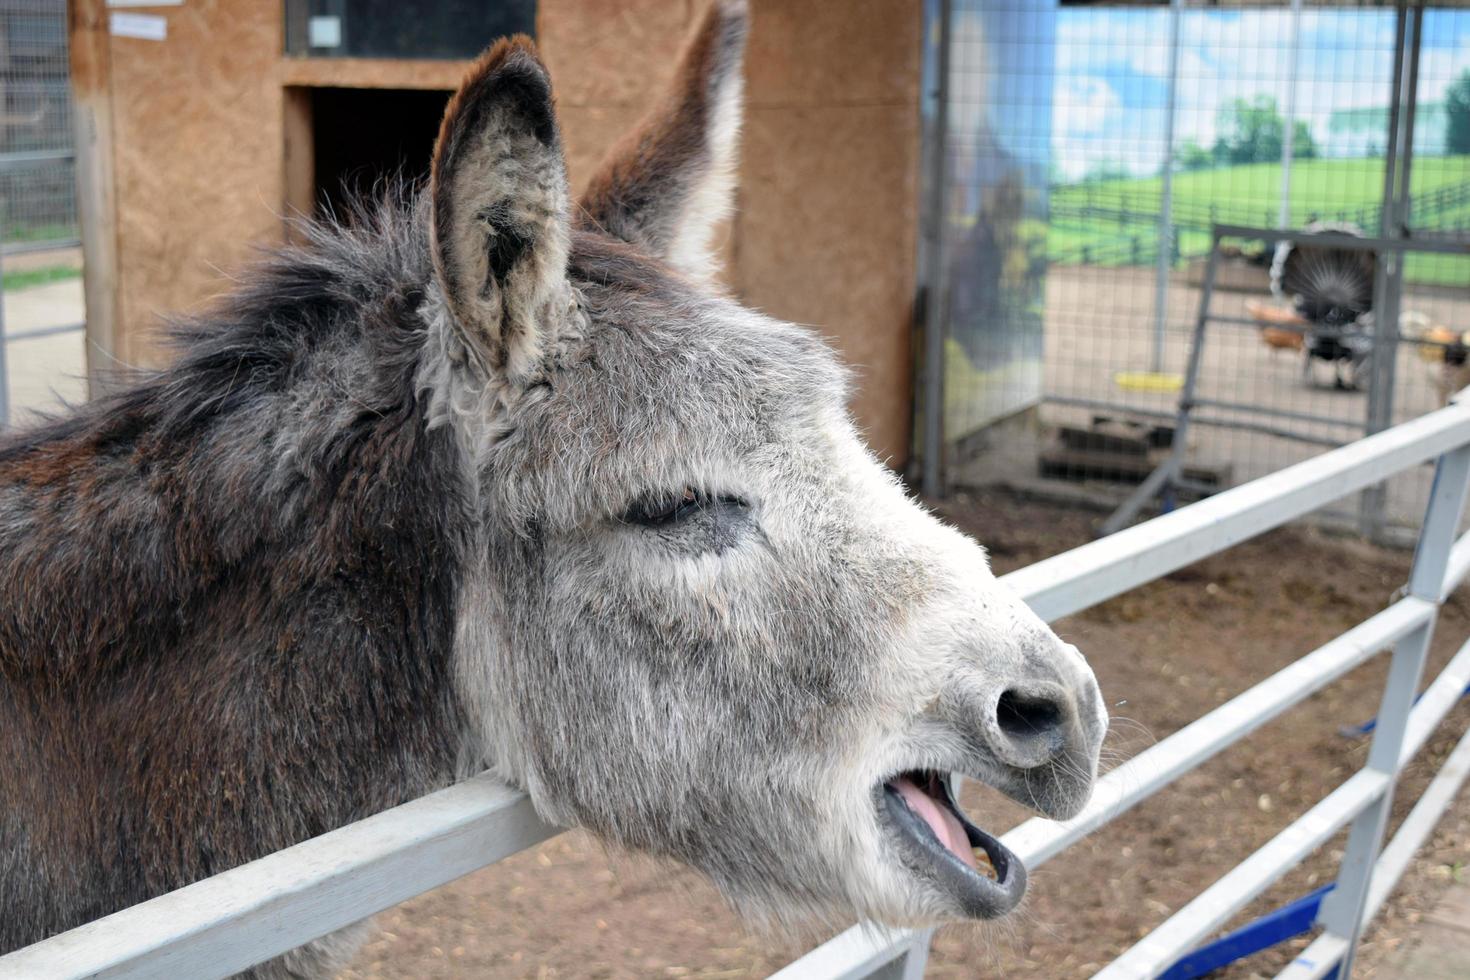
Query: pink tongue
945,825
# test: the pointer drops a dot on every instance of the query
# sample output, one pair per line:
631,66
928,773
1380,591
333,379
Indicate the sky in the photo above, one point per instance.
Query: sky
1109,90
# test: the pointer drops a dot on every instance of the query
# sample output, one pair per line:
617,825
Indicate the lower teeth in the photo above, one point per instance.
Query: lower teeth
983,863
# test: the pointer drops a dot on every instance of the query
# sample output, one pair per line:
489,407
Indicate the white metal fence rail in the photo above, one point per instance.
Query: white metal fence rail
249,914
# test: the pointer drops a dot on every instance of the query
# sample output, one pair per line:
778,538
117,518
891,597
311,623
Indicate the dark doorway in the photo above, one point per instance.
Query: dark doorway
359,137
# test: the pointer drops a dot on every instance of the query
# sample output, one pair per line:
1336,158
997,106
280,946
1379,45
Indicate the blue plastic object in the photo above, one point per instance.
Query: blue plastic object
1265,932
1372,723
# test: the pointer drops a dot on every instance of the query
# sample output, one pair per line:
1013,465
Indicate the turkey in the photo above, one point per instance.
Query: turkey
1331,288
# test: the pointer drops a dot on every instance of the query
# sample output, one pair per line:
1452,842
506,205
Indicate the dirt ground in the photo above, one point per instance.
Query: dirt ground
1164,654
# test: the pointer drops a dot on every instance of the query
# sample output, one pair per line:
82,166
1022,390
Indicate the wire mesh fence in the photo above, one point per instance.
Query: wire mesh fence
42,356
1089,150
37,175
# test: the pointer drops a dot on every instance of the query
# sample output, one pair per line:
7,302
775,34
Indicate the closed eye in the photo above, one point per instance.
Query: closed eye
670,509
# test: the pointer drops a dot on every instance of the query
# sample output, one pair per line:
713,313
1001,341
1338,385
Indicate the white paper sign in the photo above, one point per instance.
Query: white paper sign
324,32
147,27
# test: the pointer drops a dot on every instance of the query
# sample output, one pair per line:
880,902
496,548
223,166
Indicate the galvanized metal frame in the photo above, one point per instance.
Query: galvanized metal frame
1388,279
933,258
1166,200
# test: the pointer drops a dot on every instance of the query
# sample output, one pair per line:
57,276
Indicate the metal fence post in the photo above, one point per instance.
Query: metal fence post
935,264
1161,480
1342,911
1389,275
1166,202
4,360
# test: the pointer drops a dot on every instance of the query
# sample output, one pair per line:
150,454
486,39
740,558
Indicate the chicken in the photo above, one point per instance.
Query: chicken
1448,355
1280,336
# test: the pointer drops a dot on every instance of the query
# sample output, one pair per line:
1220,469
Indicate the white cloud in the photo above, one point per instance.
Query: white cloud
1083,106
1438,67
1343,59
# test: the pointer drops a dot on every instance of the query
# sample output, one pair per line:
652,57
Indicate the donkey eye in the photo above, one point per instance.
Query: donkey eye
664,510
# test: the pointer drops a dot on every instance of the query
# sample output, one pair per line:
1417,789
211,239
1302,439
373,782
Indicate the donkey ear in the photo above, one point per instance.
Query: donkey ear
667,185
499,226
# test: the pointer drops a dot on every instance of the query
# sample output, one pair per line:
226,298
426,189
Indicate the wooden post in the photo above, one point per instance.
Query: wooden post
299,159
91,81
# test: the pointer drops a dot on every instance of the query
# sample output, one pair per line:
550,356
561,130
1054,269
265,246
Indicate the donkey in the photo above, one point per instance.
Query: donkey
488,479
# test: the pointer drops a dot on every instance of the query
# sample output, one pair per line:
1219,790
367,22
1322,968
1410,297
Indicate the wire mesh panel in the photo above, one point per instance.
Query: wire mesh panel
43,355
1090,150
37,177
1435,293
998,129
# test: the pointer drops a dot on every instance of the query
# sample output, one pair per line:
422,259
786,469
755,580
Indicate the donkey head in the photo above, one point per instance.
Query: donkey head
702,620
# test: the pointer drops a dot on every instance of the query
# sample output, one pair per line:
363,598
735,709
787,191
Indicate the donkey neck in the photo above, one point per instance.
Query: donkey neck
232,593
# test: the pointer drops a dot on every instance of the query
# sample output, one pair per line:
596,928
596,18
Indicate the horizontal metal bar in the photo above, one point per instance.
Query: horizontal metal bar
1194,486
26,248
1318,959
1269,430
1351,243
1278,412
45,331
1459,567
853,954
1095,572
1039,840
224,924
1183,930
1196,419
1302,330
1097,405
29,158
1244,321
1216,421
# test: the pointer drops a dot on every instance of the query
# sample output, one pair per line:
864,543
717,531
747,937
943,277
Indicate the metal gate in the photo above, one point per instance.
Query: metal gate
1078,157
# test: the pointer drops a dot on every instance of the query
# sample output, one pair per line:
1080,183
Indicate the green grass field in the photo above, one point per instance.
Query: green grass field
1115,220
26,278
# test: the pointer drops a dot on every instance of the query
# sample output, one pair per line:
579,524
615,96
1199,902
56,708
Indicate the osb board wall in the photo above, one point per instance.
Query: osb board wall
826,234
197,159
826,230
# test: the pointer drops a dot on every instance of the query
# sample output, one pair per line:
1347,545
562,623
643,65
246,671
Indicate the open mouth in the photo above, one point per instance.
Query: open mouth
942,846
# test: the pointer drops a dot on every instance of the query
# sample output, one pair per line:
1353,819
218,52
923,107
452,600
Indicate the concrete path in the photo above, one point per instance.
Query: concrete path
1440,946
44,372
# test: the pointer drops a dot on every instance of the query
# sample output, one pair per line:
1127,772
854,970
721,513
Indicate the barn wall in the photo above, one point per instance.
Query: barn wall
826,230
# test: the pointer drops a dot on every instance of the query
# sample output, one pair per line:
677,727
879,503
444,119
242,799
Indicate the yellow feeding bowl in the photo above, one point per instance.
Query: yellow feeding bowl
1148,381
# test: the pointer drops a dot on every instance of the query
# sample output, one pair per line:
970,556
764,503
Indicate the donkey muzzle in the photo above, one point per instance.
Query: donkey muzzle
1040,731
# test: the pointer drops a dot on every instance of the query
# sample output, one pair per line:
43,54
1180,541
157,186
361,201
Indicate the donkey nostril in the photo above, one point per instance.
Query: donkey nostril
1023,717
